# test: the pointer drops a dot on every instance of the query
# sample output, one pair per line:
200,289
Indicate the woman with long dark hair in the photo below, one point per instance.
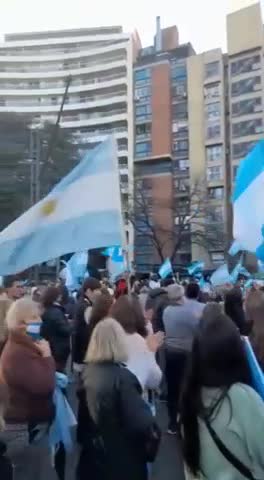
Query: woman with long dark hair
219,407
234,309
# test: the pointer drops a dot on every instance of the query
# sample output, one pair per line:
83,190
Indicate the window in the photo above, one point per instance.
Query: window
178,72
180,127
235,168
179,91
217,257
212,69
216,215
123,162
214,173
246,86
213,130
180,110
214,153
124,178
184,165
142,76
182,184
216,193
180,146
213,110
142,130
143,110
143,148
240,150
122,144
245,65
142,92
212,91
152,168
249,127
245,107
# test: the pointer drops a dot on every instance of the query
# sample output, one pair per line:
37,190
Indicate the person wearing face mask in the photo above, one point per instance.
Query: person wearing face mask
27,369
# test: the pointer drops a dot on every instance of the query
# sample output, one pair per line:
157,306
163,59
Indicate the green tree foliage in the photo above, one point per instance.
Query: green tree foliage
16,157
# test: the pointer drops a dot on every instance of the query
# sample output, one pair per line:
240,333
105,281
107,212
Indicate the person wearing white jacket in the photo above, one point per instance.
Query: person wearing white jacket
141,346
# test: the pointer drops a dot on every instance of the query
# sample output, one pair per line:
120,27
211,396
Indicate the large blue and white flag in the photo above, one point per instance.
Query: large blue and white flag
82,212
165,269
248,201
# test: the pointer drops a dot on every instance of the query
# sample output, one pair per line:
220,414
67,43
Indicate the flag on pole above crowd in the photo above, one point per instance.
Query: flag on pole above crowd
221,276
248,200
82,212
165,269
195,267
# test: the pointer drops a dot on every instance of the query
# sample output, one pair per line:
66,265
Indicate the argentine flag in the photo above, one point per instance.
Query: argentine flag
82,212
165,269
248,201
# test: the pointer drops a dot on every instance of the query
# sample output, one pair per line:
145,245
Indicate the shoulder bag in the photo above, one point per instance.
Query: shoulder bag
230,457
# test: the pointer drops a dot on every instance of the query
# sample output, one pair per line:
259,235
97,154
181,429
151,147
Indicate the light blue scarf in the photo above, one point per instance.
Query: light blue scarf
60,430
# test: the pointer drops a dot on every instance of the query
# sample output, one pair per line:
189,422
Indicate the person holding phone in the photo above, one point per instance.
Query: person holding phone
28,370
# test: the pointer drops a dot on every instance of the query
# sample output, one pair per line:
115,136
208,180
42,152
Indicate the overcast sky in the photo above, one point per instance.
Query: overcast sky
201,22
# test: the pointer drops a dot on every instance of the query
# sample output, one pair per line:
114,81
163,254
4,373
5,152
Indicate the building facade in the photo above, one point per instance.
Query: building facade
196,117
161,146
34,68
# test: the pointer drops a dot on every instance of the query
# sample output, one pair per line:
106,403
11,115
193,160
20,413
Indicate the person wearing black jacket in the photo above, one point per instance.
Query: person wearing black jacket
6,468
116,429
55,327
91,287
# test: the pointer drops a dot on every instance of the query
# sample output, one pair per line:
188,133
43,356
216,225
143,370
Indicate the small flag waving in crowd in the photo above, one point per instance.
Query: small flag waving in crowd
82,212
165,269
248,200
195,267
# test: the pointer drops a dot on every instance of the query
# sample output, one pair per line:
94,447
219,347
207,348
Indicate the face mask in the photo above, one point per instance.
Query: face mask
33,330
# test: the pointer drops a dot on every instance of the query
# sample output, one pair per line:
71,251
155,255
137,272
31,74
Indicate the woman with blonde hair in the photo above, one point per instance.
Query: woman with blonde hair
27,369
117,431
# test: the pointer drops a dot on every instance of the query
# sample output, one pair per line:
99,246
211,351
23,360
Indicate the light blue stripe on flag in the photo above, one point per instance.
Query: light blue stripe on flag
81,213
195,267
165,269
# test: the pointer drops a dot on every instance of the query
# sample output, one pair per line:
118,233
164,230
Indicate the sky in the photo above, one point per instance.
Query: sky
202,22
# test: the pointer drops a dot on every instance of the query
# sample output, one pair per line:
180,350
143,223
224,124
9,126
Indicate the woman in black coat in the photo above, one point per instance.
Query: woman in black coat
55,327
116,430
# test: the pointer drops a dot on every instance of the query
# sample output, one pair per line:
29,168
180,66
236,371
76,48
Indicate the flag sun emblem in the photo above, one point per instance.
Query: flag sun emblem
48,208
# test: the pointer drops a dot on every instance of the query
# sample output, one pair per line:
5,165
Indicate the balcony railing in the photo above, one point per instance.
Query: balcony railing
59,84
55,67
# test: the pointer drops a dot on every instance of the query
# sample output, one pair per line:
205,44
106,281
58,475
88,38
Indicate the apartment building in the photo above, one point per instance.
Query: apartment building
208,118
34,68
196,117
161,143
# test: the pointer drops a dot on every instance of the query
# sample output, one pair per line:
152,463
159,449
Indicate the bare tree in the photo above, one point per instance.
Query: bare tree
193,220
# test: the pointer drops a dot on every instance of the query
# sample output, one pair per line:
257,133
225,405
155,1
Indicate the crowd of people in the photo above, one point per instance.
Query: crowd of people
129,347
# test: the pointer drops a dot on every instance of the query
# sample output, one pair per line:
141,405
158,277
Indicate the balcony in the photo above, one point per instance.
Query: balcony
51,106
64,72
58,88
50,67
83,120
54,54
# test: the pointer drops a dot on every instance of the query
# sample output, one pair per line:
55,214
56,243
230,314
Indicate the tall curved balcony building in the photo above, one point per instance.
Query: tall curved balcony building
34,68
